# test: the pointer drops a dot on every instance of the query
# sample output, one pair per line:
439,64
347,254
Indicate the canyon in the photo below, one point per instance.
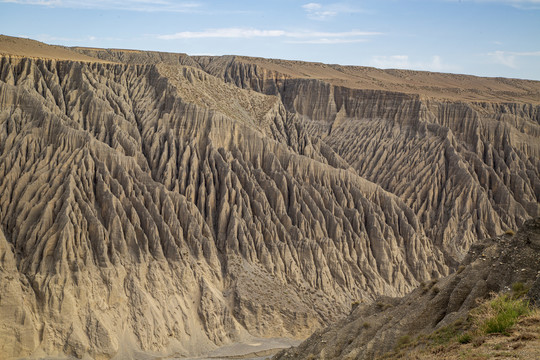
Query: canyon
166,204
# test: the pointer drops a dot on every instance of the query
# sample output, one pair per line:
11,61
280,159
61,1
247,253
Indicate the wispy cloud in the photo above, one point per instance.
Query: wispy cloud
50,39
130,5
508,58
306,37
223,33
317,11
326,41
404,62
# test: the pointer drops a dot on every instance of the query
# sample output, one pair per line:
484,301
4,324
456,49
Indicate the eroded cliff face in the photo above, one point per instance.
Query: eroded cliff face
468,169
157,208
371,330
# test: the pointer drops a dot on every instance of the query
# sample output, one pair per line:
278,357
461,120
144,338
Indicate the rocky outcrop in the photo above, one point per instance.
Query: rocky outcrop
468,169
372,330
155,202
136,56
158,207
271,76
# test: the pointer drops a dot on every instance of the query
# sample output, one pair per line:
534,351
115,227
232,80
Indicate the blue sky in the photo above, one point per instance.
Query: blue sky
479,37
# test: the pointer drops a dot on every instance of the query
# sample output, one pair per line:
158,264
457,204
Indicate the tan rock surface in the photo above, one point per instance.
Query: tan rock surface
271,75
469,168
159,207
371,330
145,201
12,46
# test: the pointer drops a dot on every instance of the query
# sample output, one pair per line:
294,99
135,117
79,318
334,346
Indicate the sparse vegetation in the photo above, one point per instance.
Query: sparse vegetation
465,338
448,333
494,316
402,341
428,286
500,314
478,341
519,289
382,305
366,325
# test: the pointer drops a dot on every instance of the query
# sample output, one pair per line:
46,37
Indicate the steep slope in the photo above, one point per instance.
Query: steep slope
272,76
136,56
156,208
461,151
372,330
467,170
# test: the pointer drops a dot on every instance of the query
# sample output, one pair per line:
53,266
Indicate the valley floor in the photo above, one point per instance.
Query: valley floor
256,349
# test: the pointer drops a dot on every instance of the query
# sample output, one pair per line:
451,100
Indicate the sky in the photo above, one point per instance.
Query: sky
478,37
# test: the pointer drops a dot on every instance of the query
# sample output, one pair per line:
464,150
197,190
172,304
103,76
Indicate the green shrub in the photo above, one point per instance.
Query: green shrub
465,338
503,313
519,289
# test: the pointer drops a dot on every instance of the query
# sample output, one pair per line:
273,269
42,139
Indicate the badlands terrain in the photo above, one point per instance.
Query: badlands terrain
158,204
431,321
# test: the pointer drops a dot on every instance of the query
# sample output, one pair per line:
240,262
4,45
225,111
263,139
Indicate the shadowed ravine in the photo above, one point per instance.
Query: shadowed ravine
149,206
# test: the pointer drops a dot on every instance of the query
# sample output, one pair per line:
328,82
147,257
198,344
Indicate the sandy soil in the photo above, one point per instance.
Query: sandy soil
13,46
255,349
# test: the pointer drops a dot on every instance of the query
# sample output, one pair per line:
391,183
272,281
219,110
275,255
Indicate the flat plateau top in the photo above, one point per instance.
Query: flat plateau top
453,87
440,86
20,47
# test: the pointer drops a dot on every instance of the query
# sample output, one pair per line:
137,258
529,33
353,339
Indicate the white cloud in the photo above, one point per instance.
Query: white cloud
503,58
49,39
131,5
223,33
353,33
393,61
403,62
247,33
312,6
327,41
508,58
318,11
